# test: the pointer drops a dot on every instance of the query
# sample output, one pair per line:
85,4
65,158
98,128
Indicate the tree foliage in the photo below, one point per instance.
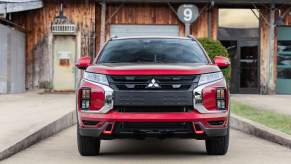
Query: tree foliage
215,48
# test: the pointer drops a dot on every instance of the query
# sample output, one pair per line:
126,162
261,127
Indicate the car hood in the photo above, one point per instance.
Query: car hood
152,69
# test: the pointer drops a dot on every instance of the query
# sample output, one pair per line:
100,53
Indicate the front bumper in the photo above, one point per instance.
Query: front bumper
209,132
201,128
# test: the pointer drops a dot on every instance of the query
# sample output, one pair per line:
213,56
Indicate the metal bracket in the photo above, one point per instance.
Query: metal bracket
172,8
114,13
264,18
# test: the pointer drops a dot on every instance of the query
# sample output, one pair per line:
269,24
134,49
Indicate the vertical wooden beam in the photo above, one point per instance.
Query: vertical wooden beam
103,23
214,22
267,50
209,22
264,50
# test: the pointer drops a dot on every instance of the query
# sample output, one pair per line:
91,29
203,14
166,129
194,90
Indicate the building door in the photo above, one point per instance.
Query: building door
248,66
64,53
284,61
244,65
144,30
231,47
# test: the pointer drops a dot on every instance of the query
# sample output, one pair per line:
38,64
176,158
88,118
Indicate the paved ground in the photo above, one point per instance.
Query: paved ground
276,103
23,114
62,149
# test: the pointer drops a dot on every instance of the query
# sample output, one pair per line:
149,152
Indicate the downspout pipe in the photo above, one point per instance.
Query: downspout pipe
271,82
103,23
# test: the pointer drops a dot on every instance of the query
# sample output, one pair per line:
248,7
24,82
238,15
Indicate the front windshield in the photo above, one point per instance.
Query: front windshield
152,51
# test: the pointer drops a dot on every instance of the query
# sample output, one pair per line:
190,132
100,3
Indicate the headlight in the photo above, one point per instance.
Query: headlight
210,77
97,78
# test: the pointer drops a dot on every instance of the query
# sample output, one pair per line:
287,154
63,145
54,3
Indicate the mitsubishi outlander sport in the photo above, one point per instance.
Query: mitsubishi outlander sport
163,87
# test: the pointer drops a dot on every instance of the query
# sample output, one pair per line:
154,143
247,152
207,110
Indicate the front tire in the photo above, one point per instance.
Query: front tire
218,145
88,146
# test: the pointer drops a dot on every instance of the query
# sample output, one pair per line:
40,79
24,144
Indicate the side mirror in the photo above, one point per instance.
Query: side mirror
83,62
221,62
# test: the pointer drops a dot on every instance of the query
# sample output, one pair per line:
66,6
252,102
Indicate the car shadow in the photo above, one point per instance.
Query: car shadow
152,147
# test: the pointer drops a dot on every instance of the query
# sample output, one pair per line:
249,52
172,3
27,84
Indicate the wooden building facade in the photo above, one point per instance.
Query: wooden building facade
95,21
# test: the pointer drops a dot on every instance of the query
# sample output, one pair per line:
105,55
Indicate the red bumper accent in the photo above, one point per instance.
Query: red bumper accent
154,117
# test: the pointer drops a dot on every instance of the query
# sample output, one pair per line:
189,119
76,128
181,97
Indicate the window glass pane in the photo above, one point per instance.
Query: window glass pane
284,73
284,60
249,67
152,51
284,53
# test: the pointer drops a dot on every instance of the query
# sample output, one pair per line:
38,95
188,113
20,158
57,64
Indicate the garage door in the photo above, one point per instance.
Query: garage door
144,30
12,60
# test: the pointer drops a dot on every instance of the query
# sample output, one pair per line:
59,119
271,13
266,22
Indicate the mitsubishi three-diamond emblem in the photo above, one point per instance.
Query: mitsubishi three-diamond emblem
153,84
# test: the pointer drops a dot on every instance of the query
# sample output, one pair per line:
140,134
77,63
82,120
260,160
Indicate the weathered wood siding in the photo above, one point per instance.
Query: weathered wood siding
140,14
200,26
267,82
146,13
37,24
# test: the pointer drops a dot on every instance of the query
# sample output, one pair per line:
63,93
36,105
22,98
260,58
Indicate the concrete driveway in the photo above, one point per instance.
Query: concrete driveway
62,148
23,115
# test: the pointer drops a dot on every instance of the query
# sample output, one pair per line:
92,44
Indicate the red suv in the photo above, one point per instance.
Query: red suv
160,87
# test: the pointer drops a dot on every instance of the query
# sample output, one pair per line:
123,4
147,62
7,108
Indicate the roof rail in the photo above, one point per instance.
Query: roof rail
191,37
113,37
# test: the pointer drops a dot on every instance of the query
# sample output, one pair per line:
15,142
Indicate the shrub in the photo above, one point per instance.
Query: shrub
215,48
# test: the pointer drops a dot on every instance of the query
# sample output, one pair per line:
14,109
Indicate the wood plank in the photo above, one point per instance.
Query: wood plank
158,14
200,27
17,7
37,25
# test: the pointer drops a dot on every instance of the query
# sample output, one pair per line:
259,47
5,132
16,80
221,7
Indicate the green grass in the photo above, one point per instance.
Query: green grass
273,120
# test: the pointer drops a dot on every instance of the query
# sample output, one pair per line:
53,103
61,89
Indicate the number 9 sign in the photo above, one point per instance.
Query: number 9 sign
188,13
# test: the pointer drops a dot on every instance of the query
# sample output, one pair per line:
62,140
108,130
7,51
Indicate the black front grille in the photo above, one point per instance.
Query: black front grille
171,82
155,125
153,109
